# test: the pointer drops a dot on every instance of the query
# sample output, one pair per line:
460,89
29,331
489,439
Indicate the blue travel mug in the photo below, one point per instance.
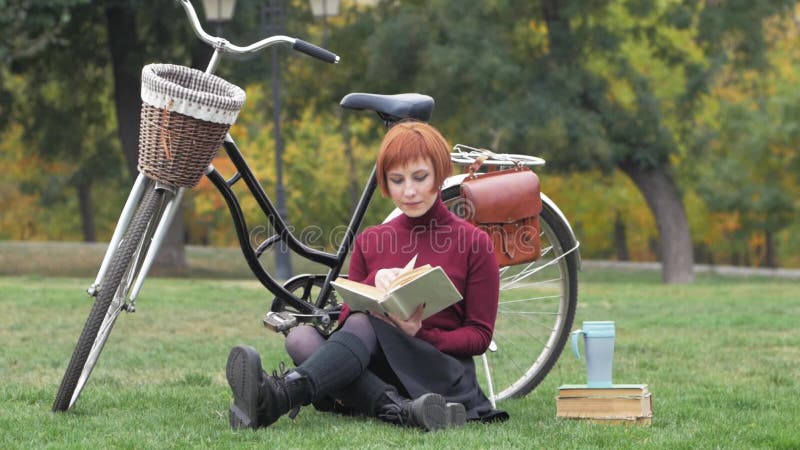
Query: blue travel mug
598,342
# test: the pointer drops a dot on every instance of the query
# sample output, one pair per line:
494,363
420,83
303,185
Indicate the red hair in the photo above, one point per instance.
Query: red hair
410,141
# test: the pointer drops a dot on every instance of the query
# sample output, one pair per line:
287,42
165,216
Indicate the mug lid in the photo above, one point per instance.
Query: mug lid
599,329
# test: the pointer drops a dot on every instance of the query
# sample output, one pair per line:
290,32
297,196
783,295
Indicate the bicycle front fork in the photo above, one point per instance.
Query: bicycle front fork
144,260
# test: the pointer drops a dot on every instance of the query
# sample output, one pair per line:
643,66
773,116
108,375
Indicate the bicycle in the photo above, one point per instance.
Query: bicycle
527,341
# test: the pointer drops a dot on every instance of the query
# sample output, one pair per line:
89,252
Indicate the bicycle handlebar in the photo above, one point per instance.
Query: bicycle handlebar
225,46
315,51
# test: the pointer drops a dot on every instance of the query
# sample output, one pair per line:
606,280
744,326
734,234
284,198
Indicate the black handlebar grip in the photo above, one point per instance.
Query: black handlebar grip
317,52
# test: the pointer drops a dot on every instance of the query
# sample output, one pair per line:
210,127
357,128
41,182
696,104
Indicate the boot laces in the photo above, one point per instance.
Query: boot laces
279,376
396,410
281,372
393,413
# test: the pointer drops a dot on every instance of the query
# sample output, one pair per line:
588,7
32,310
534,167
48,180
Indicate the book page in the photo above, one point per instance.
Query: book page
424,284
616,390
432,287
411,275
408,268
410,265
359,296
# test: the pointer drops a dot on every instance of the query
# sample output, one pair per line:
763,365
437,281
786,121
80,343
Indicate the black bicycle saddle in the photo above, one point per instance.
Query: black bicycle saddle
392,107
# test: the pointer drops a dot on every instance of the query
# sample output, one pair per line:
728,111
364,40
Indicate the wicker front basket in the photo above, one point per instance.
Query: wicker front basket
185,116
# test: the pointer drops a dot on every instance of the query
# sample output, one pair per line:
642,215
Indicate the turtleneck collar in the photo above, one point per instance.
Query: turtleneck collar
437,214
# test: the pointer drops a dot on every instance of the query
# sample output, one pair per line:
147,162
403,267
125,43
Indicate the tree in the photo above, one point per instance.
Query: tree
747,141
131,43
99,35
65,113
645,133
602,84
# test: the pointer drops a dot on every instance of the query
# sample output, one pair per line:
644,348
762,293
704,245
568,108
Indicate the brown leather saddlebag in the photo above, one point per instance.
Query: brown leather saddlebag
506,204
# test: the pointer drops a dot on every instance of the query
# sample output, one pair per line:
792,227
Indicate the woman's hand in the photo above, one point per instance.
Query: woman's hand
410,326
384,277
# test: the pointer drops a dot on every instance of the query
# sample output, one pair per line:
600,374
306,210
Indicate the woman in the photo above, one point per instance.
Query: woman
409,372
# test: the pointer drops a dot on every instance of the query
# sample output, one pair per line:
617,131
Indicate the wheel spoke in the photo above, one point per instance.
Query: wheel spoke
534,267
536,307
534,315
546,297
531,313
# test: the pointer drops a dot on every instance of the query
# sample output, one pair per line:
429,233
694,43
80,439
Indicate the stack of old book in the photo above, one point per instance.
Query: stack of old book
620,403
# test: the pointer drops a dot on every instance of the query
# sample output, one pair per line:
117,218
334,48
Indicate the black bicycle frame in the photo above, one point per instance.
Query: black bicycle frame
283,233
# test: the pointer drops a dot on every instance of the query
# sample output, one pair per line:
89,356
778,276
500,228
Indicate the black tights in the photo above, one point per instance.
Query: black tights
302,342
365,392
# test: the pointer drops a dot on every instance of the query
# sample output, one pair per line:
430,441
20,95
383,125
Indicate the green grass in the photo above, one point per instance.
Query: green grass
720,357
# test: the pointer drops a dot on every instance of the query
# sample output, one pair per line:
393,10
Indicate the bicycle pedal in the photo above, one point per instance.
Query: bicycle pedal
279,321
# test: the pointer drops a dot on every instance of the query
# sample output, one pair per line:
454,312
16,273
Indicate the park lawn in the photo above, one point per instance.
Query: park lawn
721,357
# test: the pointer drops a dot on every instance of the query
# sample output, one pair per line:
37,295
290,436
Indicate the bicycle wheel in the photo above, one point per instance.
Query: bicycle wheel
536,310
109,303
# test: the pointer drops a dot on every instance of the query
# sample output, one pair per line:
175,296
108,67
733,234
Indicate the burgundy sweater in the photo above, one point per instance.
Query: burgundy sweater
464,252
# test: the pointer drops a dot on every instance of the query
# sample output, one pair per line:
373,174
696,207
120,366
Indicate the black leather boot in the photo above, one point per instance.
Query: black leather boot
260,399
428,412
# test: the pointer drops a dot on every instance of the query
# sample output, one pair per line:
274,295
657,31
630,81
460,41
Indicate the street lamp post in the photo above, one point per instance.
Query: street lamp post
273,17
322,9
275,12
219,11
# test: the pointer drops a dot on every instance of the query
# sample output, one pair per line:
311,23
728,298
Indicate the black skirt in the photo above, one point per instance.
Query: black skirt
416,367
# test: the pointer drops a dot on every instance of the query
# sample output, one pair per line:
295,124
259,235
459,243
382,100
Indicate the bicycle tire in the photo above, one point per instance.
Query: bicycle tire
80,367
529,342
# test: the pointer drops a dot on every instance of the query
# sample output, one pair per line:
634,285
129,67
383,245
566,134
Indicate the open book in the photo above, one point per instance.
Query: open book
425,284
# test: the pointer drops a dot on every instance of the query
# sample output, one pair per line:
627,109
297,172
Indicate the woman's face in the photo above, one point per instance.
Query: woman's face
411,187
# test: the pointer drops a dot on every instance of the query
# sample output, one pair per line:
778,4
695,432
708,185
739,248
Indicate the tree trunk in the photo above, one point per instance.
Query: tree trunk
620,239
172,254
200,54
123,46
127,65
87,213
770,257
559,34
665,202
